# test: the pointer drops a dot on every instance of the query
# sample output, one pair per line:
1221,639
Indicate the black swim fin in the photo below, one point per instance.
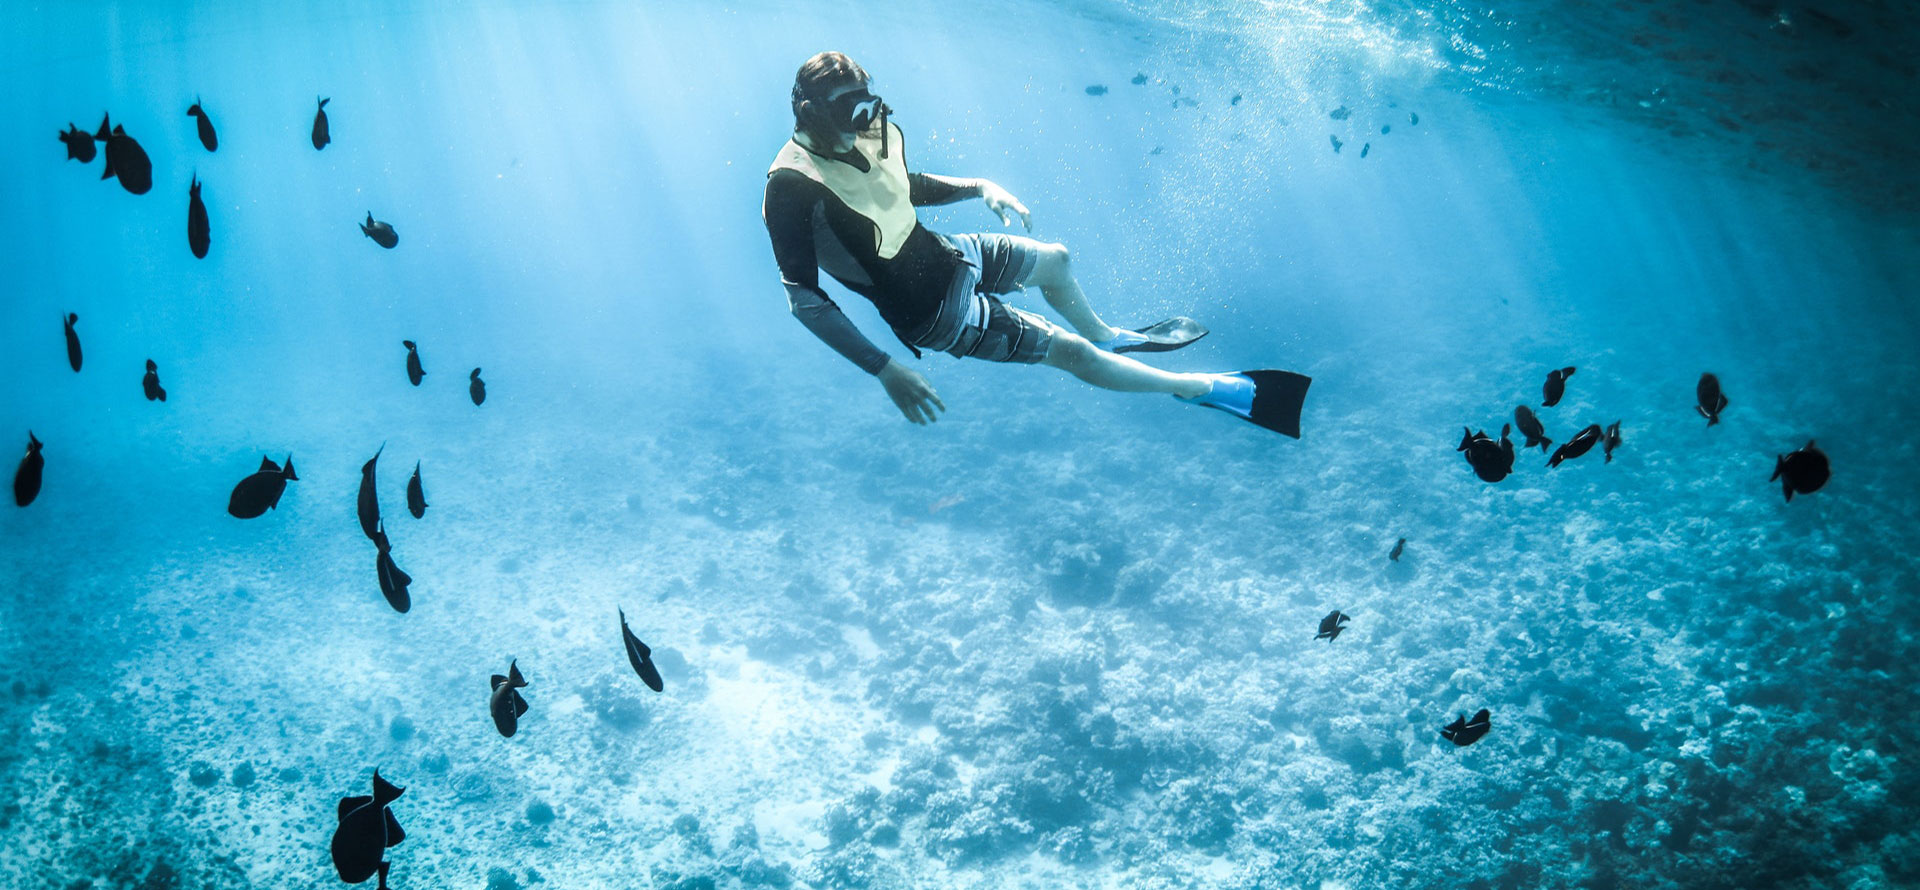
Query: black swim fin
1166,336
1277,397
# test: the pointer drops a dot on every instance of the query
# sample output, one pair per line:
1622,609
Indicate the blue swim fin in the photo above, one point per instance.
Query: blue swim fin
1267,398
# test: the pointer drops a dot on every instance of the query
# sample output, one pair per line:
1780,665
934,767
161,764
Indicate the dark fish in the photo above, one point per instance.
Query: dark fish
1555,387
381,233
126,160
1413,119
369,504
26,480
1464,732
476,387
1331,626
1336,143
1097,90
1399,547
261,491
79,144
414,371
151,383
367,828
1235,100
1341,113
1710,400
1803,471
1367,147
1529,425
73,340
640,656
1612,439
1139,79
198,234
1187,101
505,704
1491,460
207,137
1385,129
321,135
1581,443
393,582
416,496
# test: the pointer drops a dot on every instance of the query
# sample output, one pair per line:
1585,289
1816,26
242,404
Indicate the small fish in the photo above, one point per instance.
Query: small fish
1555,387
416,496
73,340
1710,401
1187,101
1385,129
393,582
205,124
367,828
1491,461
1235,100
1581,443
151,383
260,492
1336,142
79,144
505,703
1803,471
1413,119
381,233
1364,148
1097,90
1331,626
1139,79
321,134
1612,440
476,388
199,236
1399,547
1464,732
126,160
26,479
369,503
640,656
1529,425
1157,149
414,371
1341,113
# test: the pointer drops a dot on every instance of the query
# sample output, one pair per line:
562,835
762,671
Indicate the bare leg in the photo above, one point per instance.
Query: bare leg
1053,274
1073,354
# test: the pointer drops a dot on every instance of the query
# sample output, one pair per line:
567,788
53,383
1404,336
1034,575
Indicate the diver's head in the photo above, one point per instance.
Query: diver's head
833,102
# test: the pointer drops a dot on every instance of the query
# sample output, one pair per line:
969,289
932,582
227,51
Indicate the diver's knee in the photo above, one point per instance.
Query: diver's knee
1069,351
1054,266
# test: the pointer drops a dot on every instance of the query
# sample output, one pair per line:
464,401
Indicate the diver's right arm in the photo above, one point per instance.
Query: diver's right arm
789,219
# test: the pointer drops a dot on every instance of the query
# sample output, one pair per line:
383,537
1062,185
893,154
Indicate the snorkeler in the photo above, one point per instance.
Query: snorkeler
839,197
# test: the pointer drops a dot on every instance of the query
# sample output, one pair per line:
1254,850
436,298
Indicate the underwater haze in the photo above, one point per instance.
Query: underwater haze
1063,637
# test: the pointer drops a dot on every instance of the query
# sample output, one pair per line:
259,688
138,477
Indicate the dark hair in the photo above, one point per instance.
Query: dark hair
821,74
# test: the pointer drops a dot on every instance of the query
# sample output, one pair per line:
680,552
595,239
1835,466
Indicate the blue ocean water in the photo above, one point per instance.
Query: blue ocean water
1061,638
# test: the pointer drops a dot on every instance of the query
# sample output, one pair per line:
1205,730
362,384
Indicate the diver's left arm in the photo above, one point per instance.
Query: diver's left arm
929,188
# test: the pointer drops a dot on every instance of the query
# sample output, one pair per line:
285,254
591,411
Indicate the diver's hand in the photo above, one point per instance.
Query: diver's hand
1002,202
911,392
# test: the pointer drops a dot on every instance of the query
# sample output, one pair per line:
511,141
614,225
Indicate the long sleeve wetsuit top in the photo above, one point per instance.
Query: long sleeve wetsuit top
813,229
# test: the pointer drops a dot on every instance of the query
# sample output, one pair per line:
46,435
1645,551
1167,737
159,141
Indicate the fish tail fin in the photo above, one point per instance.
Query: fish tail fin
1567,372
385,792
106,132
408,344
1545,443
494,681
513,675
323,102
163,392
287,470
